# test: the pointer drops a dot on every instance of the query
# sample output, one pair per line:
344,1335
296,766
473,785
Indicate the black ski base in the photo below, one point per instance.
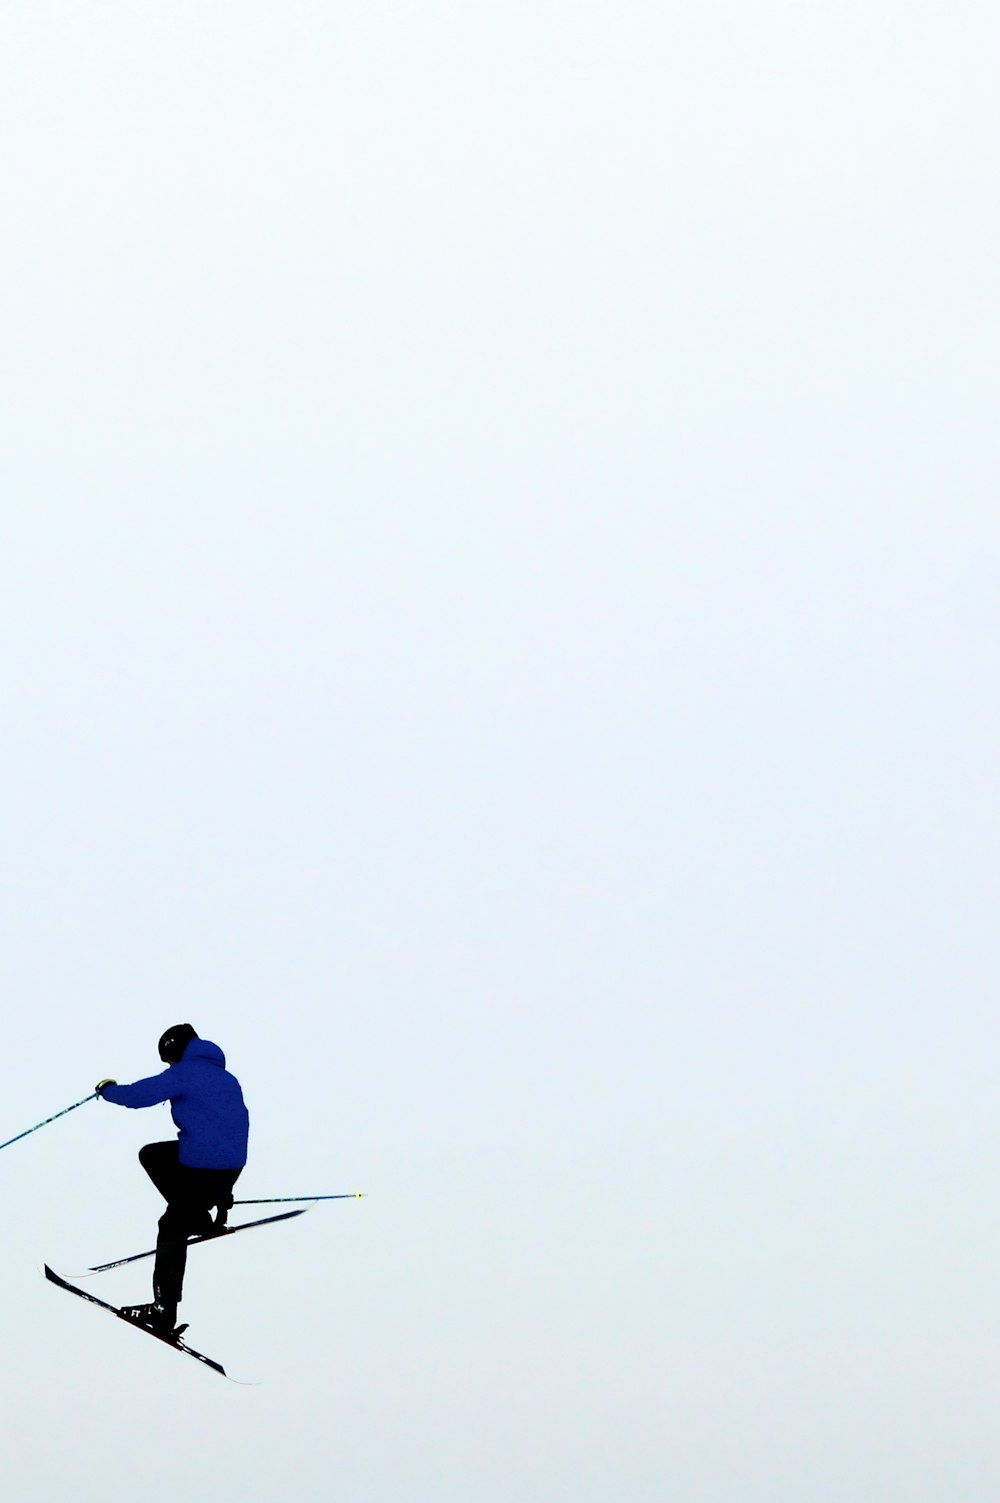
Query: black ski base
171,1341
214,1236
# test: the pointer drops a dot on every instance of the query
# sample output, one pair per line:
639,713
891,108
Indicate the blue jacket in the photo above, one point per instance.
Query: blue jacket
206,1103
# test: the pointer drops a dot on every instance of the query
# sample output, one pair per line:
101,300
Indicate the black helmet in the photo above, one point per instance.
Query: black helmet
175,1041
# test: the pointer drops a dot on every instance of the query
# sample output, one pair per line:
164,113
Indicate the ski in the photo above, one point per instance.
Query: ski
227,1231
177,1344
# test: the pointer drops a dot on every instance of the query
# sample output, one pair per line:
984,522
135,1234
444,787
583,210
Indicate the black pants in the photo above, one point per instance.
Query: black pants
190,1195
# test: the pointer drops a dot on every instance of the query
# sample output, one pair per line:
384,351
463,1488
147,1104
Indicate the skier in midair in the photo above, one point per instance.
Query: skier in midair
194,1173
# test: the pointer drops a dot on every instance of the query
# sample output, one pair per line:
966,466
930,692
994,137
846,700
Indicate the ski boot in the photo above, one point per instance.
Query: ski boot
222,1211
161,1320
201,1225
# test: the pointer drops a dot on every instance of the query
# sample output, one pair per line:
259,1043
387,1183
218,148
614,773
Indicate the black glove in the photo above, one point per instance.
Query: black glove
99,1087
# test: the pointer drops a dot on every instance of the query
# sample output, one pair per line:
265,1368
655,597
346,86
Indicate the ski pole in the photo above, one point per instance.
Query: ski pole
27,1130
275,1200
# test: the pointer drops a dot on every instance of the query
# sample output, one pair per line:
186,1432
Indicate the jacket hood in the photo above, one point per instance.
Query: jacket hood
204,1049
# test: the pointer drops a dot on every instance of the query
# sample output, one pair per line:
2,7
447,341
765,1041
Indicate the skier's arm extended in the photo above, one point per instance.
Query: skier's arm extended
148,1092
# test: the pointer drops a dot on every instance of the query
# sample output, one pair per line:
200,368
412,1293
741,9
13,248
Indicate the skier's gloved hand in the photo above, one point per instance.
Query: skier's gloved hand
99,1087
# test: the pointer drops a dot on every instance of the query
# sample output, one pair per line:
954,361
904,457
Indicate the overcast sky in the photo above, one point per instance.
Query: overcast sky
499,582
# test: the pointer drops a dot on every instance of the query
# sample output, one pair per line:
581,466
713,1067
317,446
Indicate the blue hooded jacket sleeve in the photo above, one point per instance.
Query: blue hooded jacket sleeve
148,1092
206,1103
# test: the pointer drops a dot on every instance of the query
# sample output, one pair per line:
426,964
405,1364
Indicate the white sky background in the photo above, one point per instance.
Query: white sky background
499,583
